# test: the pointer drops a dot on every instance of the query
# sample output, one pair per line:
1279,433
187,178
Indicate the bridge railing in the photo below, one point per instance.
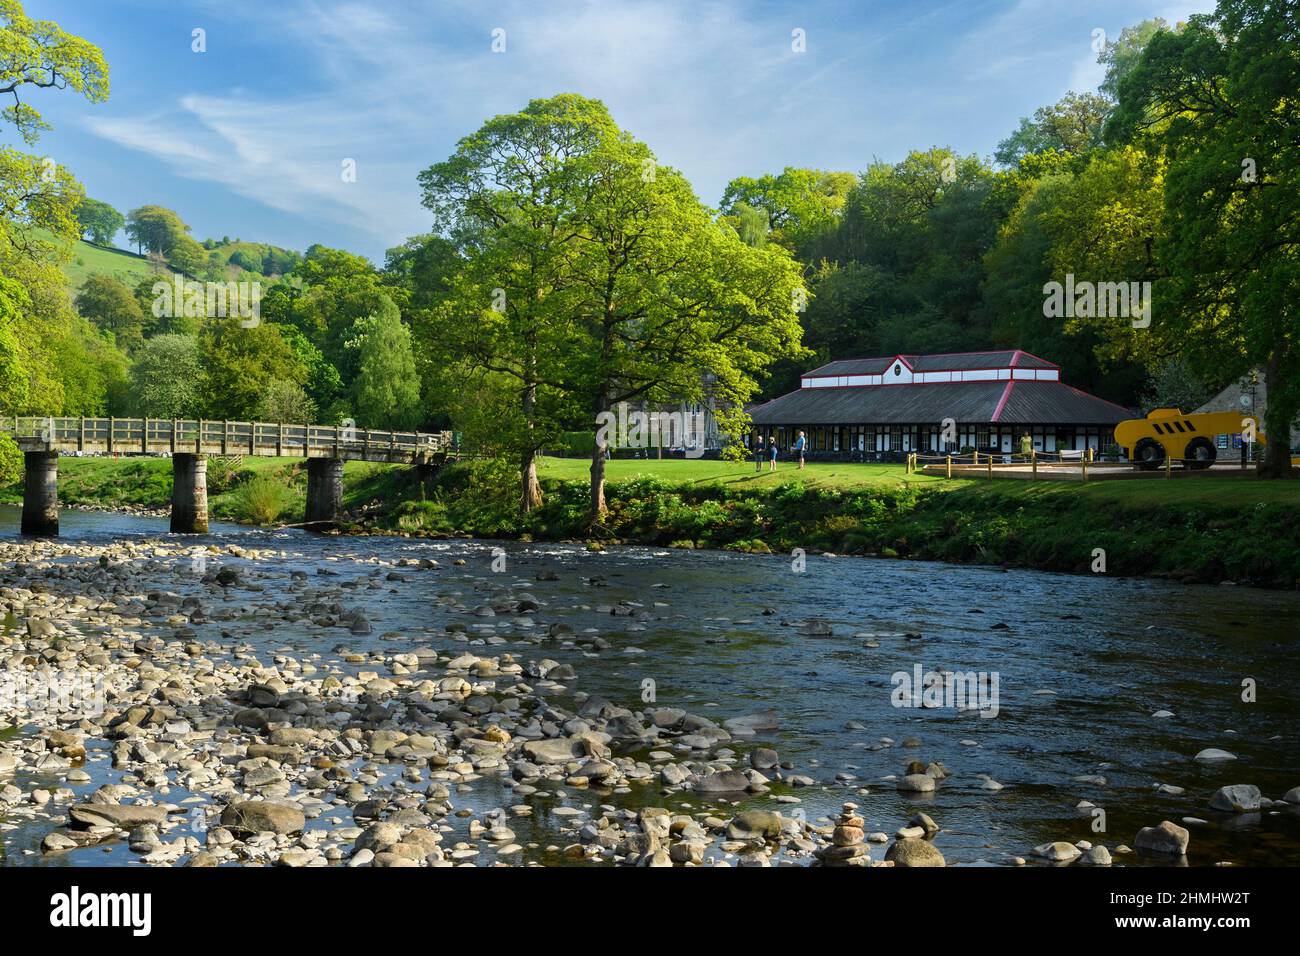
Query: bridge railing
163,434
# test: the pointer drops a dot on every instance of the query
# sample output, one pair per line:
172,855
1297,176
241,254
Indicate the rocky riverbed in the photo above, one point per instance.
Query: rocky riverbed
200,705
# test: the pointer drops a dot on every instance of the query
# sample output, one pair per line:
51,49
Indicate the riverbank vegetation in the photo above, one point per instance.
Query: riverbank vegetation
1208,529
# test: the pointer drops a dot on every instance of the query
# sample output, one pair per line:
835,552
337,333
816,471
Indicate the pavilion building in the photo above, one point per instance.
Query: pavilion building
879,409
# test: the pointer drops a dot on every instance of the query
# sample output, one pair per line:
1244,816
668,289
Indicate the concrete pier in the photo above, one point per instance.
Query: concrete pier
189,494
41,493
324,492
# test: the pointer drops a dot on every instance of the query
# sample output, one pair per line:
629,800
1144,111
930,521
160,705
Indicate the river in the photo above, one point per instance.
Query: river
1082,664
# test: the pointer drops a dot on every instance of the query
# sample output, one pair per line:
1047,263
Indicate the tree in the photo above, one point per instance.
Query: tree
1173,384
673,305
38,54
387,390
799,203
111,306
241,363
1121,55
155,229
287,402
51,360
99,221
499,198
167,378
1217,101
1073,125
750,224
919,230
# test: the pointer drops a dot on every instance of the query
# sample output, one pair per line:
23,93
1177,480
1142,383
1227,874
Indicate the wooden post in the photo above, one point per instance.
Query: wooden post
976,456
144,435
252,439
81,435
990,465
112,423
1084,463
1169,465
198,439
1033,461
225,436
950,466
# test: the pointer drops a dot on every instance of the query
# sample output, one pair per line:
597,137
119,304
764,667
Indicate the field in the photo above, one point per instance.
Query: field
1210,490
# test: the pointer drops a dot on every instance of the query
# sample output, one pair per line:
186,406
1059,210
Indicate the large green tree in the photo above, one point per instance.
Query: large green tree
38,54
107,302
99,221
510,314
241,363
1218,102
167,378
799,203
387,390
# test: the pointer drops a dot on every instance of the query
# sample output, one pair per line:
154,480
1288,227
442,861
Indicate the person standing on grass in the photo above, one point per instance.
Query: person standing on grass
800,443
758,453
771,456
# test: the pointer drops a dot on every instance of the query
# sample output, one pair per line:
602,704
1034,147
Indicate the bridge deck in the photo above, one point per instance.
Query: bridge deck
162,436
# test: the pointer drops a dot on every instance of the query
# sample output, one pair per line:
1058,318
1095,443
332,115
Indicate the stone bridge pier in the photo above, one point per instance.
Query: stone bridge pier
324,492
40,493
189,494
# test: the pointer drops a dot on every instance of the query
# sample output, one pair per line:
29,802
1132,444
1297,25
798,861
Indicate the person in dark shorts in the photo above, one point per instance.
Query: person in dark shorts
758,453
800,444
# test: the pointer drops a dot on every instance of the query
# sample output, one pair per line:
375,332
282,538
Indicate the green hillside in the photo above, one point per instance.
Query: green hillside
88,260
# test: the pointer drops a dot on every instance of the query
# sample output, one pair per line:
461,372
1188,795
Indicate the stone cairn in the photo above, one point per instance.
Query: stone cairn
847,848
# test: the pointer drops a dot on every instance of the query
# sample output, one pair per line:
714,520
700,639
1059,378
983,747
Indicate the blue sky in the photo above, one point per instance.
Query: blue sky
248,138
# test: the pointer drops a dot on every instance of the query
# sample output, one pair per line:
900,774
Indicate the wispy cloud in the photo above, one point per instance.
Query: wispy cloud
713,86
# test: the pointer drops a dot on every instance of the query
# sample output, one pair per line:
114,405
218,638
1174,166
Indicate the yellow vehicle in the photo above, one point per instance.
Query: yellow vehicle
1167,432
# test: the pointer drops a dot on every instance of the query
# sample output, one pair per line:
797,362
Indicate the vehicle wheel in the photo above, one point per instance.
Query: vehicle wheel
1148,454
1200,454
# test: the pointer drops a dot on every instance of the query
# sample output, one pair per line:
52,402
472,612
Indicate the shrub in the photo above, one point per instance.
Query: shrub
11,460
262,499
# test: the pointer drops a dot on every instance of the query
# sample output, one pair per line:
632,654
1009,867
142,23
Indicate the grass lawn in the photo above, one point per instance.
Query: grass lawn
87,260
1219,490
737,475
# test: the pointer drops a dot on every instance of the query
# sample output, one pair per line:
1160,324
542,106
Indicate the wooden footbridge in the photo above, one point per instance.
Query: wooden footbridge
189,441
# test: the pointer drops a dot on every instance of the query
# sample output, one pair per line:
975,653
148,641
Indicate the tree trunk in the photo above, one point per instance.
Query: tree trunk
531,491
596,510
1280,413
596,506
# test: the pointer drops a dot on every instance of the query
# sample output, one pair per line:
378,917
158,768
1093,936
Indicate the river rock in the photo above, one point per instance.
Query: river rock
726,781
1058,852
914,853
123,816
916,783
1214,755
755,823
1238,798
1167,838
558,750
1096,856
262,816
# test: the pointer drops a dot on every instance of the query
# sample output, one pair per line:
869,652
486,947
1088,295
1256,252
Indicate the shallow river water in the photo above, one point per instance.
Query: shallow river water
1082,665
